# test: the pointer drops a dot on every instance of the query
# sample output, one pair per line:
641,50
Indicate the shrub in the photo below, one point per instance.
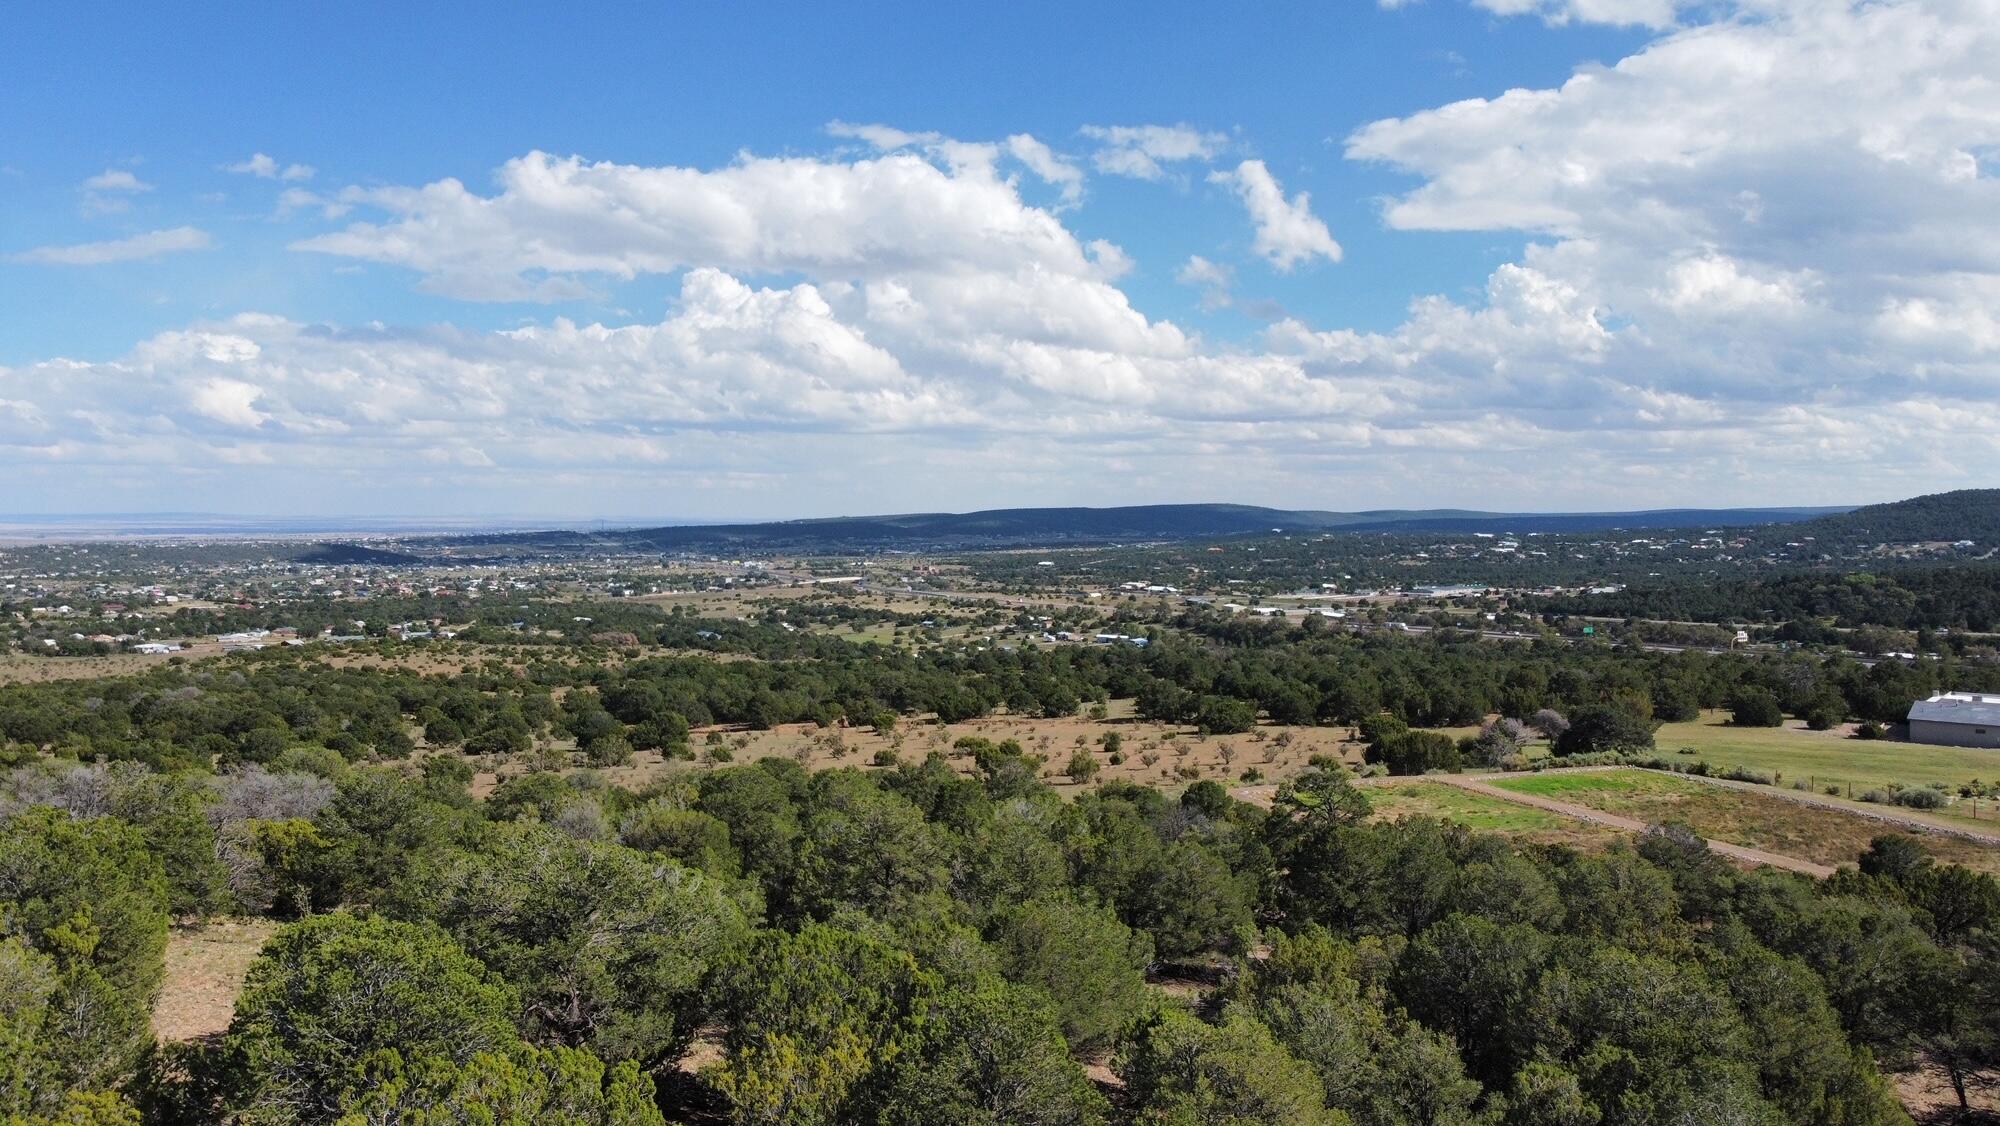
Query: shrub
1920,798
1870,730
1226,715
1418,752
1082,767
1755,707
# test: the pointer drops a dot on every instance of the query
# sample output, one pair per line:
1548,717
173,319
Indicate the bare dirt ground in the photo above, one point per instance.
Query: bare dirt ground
1926,1093
27,668
205,969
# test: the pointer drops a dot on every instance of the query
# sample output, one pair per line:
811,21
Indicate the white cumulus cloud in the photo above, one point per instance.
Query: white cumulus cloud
1288,233
116,180
1708,303
267,168
1641,13
1144,151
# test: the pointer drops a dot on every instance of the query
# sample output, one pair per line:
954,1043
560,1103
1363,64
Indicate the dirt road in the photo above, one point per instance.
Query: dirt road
1899,819
1477,784
1628,824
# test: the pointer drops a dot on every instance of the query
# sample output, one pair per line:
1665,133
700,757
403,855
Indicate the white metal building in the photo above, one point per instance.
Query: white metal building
1957,719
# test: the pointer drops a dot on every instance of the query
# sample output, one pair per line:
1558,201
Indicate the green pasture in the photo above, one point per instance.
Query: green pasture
1474,811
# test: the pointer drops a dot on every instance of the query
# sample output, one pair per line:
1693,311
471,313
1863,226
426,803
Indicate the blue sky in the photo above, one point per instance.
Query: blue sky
1630,282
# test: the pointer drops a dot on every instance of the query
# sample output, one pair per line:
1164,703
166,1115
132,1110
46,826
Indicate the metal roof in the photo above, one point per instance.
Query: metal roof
1958,708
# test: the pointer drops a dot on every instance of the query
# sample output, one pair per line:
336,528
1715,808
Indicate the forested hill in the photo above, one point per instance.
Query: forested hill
1905,598
349,554
1042,526
1967,514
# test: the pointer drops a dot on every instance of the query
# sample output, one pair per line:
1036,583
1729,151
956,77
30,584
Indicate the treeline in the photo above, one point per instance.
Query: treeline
921,947
1228,674
1960,598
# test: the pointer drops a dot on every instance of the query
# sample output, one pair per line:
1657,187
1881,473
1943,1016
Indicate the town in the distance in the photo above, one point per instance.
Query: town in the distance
1017,782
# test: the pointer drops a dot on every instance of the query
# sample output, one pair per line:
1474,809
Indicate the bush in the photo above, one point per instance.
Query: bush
1745,774
1871,730
1226,715
1082,767
1755,707
1418,752
1920,798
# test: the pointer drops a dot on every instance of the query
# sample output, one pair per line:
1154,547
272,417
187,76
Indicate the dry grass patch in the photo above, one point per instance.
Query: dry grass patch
206,965
1742,817
1153,754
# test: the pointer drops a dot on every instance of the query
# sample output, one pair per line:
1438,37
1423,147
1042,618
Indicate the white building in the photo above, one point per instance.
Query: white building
1957,719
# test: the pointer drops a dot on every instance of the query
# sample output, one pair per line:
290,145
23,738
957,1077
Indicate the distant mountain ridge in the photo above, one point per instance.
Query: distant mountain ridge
1031,527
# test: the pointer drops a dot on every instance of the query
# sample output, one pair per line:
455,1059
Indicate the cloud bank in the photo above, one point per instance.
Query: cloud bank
1715,303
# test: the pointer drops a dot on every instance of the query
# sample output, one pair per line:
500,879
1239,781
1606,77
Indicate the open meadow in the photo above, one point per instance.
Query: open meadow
1745,817
1823,759
1398,799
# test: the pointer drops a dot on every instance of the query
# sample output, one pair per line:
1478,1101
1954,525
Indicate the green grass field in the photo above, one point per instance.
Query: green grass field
1435,799
1825,758
1580,786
